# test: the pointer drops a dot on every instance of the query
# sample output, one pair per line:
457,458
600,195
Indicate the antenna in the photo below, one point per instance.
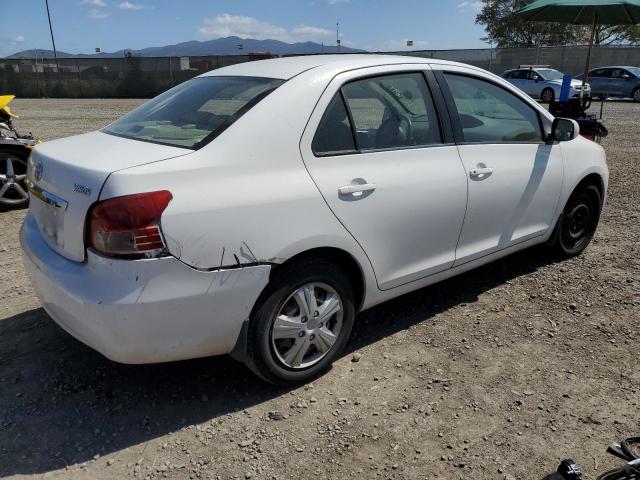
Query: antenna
338,36
55,53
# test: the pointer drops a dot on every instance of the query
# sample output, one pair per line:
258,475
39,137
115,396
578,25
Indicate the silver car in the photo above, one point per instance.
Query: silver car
622,82
543,83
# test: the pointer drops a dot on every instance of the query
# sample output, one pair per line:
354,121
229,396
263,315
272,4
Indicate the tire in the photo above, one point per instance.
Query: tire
547,95
273,349
636,95
13,174
578,223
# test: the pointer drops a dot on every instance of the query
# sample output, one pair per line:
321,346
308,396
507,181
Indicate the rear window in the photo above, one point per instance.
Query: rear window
195,112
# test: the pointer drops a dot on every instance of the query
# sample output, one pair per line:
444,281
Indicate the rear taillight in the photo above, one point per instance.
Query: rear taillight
129,226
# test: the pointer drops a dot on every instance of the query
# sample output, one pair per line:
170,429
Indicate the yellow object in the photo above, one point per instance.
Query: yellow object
5,100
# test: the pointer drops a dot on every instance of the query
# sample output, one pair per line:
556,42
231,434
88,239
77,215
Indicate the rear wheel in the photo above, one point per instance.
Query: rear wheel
13,175
636,95
578,222
301,323
547,95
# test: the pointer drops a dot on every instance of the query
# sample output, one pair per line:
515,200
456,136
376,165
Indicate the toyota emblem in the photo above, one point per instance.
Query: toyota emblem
37,171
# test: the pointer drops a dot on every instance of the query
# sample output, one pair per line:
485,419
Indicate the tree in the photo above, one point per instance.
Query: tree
505,30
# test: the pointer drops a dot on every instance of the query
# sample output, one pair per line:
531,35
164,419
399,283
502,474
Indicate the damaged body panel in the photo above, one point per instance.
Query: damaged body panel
129,310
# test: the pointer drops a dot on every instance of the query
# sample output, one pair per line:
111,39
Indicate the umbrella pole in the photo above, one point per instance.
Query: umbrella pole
585,77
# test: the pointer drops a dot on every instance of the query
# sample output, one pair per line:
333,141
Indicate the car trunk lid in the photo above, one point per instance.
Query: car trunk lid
66,177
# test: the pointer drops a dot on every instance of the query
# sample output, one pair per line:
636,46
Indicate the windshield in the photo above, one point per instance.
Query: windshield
550,74
195,112
634,70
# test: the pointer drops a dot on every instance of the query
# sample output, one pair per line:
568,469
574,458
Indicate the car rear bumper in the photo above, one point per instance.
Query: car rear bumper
142,311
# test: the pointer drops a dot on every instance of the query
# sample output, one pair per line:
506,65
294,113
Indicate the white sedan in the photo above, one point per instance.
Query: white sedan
254,210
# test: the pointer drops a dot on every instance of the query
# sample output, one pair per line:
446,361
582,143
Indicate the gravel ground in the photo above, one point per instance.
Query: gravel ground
499,373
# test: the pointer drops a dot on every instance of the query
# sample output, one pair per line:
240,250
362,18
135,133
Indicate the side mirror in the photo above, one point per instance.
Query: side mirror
536,78
626,76
563,130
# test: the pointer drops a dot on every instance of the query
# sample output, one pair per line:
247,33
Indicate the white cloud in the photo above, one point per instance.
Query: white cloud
130,6
472,6
335,2
19,39
95,14
94,3
310,32
227,25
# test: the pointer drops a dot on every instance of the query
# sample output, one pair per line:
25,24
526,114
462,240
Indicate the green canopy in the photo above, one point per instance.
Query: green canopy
583,12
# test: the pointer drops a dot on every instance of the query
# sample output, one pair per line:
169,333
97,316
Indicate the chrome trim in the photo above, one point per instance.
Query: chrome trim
46,197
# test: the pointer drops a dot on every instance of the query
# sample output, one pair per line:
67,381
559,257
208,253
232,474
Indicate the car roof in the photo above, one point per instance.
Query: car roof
289,67
614,66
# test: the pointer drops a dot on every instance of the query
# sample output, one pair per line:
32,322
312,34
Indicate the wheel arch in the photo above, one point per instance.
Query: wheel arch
594,179
340,258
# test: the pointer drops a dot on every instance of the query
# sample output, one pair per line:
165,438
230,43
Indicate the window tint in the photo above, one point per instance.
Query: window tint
392,111
334,134
195,112
489,113
602,73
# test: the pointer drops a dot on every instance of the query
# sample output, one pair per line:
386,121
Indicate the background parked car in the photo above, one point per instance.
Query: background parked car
543,83
621,82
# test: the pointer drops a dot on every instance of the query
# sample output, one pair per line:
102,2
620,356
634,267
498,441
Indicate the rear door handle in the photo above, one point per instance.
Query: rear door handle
357,188
477,172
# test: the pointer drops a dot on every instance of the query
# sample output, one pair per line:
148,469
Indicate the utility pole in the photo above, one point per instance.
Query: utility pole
338,36
53,42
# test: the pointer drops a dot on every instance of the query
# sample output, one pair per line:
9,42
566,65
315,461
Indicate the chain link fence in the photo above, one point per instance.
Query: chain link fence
567,59
128,77
140,77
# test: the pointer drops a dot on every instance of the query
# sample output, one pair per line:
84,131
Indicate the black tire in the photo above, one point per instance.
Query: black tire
262,355
11,198
578,222
636,95
547,95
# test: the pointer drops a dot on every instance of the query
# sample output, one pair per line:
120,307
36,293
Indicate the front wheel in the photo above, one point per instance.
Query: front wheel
636,95
578,222
301,322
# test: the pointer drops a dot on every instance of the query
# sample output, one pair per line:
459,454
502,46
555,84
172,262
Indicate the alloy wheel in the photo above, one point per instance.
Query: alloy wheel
307,325
547,96
636,95
13,174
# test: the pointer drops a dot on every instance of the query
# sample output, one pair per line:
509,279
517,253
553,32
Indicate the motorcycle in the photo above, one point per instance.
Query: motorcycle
14,152
628,450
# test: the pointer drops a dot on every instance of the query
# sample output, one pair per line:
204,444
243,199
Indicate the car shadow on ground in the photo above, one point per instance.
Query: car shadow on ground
62,404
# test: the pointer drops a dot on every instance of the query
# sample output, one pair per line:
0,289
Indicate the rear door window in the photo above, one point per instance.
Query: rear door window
392,111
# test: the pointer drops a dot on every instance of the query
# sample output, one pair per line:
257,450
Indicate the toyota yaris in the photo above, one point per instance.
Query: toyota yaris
256,209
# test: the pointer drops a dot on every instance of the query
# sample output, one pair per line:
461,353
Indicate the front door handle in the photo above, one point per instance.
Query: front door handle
357,189
480,171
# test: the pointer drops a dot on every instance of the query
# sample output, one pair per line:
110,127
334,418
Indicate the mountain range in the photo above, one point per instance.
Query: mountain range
218,46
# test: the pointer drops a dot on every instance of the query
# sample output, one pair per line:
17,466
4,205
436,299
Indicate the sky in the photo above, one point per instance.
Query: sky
82,25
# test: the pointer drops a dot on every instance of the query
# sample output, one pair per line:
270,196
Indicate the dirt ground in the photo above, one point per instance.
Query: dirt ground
499,373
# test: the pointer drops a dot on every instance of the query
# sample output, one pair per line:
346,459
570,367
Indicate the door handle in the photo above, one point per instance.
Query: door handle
357,188
478,172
